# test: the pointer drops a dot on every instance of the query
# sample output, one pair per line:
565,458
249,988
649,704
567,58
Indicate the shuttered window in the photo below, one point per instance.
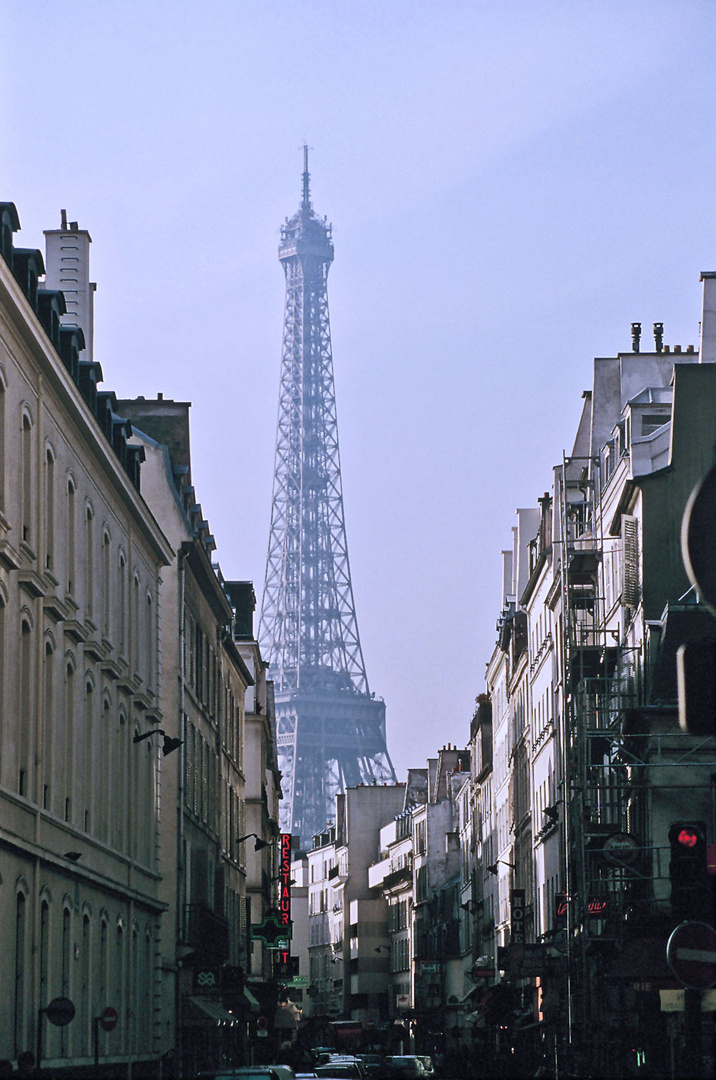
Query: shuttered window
630,561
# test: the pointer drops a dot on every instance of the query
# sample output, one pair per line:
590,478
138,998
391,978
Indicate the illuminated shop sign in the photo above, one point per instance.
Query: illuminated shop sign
596,907
517,916
284,904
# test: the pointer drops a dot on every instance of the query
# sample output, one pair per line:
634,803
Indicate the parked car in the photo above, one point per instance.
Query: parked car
341,1070
404,1065
249,1072
253,1072
372,1063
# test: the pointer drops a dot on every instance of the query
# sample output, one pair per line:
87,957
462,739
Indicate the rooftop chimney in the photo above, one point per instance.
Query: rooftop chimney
708,319
67,263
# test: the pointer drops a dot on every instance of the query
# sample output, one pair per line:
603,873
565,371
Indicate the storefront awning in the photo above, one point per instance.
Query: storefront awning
203,1012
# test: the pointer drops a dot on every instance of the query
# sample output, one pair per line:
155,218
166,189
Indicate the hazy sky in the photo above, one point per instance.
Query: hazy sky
511,184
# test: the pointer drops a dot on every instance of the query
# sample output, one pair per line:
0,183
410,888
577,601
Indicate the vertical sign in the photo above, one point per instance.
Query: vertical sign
517,916
284,905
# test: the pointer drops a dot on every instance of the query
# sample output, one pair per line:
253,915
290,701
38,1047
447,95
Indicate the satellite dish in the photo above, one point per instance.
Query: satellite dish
698,539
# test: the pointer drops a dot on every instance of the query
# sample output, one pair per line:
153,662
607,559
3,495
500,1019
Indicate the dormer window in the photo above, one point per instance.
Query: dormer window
9,223
651,422
28,268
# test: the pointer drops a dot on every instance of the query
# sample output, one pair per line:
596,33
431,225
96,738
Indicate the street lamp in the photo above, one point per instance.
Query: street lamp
493,868
168,746
259,845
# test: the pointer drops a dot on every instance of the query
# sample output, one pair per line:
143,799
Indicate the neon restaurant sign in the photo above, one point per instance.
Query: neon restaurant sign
284,904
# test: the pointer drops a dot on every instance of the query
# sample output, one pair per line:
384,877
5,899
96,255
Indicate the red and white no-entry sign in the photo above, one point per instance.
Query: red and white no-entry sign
691,955
108,1019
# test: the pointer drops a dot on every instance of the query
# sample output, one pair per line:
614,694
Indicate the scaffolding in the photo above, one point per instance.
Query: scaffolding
616,750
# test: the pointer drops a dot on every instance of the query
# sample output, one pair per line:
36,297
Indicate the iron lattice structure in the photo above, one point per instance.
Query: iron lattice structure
330,729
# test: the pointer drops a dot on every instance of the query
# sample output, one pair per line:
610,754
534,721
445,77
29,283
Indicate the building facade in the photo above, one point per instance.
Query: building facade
81,563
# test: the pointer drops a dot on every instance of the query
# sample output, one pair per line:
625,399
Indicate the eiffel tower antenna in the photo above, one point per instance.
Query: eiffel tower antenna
330,728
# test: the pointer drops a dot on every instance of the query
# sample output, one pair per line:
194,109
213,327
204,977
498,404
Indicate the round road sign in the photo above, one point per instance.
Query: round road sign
60,1011
691,955
108,1019
621,849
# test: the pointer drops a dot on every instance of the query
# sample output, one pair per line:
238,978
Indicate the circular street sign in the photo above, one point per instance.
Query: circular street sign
691,955
108,1019
60,1011
621,849
698,539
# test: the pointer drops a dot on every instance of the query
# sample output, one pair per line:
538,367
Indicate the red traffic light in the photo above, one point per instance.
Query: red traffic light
688,838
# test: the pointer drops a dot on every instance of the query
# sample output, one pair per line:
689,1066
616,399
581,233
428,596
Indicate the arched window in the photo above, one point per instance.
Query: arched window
85,751
71,535
103,988
151,643
67,755
89,560
49,508
26,477
20,970
119,973
48,726
106,754
44,950
65,971
85,1010
106,582
122,604
27,684
120,784
136,650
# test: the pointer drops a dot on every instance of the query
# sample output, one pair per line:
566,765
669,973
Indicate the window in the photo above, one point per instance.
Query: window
106,589
150,642
26,477
86,746
26,706
122,604
89,561
65,971
48,702
20,968
71,536
49,509
65,757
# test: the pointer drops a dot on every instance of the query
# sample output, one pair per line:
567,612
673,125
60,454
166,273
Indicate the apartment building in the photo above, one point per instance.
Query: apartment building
81,563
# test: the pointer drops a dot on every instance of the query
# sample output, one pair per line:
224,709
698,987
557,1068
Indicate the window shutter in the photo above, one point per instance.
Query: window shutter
630,561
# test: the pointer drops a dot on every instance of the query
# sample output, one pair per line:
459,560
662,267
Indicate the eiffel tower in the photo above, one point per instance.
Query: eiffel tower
330,728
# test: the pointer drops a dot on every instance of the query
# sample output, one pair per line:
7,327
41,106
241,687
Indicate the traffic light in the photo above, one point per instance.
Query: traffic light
688,873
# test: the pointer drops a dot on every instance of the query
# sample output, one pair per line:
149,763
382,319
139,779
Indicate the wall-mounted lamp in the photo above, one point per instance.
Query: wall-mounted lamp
259,845
467,905
168,746
380,948
493,869
73,856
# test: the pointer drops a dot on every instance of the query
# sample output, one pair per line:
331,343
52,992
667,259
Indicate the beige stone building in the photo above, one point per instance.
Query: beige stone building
81,560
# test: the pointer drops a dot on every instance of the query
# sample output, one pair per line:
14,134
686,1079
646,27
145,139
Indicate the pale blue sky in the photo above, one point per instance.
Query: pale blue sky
511,184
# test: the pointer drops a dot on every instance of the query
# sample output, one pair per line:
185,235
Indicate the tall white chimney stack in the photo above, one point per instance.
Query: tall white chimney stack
67,266
708,319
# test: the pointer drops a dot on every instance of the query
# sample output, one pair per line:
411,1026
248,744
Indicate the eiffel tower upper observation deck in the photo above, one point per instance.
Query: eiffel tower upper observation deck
330,728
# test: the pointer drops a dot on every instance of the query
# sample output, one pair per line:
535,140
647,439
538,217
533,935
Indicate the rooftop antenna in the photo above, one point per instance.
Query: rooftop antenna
306,178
